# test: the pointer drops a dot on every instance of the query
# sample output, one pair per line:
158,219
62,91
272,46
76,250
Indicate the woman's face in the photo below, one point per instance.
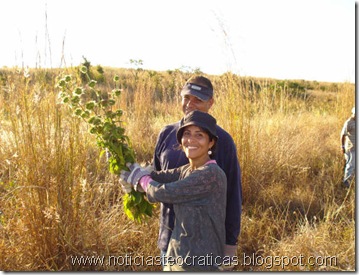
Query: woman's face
196,143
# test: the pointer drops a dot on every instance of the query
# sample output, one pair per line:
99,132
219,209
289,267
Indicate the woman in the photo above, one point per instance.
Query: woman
198,192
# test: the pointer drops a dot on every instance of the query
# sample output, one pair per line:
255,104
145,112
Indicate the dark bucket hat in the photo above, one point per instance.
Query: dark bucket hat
200,119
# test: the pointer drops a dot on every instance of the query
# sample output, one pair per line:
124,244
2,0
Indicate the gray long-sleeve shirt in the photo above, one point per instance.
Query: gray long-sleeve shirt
199,201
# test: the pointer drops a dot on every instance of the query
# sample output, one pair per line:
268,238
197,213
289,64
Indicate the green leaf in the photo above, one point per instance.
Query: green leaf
83,69
116,92
92,83
75,99
78,91
90,105
85,114
138,197
62,83
78,112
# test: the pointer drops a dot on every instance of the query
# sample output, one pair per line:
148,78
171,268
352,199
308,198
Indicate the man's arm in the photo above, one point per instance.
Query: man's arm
226,157
234,198
230,165
156,160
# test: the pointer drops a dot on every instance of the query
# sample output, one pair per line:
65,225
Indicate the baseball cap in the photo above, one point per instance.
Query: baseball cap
200,119
203,93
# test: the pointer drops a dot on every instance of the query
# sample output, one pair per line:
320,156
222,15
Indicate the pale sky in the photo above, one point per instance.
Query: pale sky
282,39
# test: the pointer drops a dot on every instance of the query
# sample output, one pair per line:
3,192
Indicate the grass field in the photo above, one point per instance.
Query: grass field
60,206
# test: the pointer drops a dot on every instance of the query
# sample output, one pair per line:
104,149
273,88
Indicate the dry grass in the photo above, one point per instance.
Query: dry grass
58,200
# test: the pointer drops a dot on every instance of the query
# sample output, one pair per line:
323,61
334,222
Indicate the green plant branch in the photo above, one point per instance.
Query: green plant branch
105,124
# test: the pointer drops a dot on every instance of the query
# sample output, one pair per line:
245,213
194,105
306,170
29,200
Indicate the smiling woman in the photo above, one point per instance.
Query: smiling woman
198,193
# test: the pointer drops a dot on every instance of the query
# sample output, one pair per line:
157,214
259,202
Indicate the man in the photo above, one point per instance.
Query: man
197,94
348,148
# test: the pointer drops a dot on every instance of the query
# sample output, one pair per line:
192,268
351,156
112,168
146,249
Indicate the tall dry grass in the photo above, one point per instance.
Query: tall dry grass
58,201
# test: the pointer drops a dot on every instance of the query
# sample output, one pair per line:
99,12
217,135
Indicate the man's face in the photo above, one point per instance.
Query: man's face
191,103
